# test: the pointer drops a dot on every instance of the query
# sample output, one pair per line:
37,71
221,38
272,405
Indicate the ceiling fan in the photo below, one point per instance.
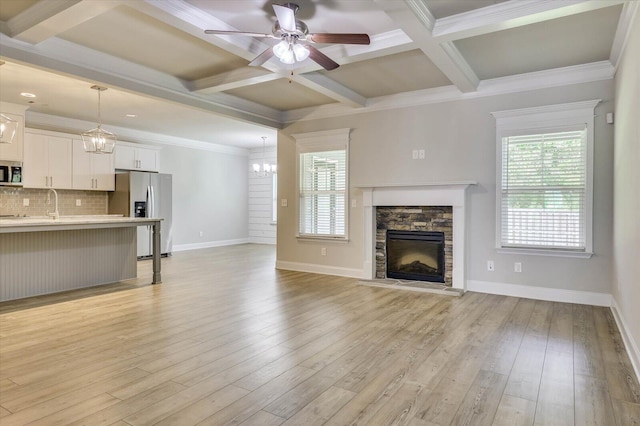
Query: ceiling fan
295,40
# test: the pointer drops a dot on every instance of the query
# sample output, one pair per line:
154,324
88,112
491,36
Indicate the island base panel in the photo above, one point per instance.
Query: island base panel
35,263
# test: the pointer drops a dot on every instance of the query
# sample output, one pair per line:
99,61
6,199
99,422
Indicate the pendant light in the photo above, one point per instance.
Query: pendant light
98,140
8,128
264,169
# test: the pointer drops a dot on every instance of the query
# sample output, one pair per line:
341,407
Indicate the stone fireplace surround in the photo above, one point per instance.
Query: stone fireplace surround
436,194
413,218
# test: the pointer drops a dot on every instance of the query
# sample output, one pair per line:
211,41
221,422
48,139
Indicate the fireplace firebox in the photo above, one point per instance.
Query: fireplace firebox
416,255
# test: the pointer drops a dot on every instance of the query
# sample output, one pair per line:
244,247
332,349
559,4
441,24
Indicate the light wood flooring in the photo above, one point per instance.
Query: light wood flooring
226,339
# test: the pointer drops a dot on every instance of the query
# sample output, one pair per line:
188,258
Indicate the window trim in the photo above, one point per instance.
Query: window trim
329,140
546,119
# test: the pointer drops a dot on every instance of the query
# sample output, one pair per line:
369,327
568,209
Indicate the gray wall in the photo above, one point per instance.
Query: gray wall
460,141
209,195
626,236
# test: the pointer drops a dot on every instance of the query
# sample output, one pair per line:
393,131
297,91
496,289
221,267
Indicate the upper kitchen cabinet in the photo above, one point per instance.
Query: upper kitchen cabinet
92,171
48,161
13,151
136,157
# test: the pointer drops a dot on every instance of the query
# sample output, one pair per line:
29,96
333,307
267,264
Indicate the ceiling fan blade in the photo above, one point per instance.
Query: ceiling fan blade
286,18
262,58
321,59
339,38
242,33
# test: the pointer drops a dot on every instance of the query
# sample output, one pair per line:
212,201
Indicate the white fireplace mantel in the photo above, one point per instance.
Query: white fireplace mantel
431,194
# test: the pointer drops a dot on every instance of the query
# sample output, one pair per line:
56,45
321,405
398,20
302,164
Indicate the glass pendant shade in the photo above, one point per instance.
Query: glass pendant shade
8,128
280,48
300,52
98,140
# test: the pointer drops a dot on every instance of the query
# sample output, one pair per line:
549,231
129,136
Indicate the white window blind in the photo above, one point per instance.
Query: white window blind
543,190
323,192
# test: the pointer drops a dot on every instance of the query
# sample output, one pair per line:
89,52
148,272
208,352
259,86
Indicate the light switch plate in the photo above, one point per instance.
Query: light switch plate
284,202
25,202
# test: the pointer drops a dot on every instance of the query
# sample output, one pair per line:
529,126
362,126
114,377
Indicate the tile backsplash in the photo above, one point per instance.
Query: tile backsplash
12,202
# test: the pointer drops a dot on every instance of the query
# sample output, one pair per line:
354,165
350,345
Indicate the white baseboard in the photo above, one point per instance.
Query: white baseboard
209,244
630,344
541,293
320,269
262,240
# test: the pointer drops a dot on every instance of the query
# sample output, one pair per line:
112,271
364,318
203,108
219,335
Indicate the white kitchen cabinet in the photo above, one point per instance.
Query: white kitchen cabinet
92,171
47,161
130,157
13,151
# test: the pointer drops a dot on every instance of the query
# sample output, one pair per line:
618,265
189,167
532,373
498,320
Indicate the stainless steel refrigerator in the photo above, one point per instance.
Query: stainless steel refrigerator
141,194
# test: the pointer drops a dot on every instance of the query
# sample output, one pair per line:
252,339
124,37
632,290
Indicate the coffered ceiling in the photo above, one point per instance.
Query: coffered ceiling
160,65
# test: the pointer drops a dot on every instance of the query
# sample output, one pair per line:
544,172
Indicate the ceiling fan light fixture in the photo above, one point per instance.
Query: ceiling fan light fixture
98,140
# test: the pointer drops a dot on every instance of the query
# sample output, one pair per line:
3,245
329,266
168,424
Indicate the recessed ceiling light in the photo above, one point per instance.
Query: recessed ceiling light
130,115
27,95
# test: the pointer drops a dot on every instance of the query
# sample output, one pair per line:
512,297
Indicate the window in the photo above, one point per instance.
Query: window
545,160
323,184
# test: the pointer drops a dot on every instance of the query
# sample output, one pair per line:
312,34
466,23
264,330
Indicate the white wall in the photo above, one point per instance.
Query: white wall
460,141
262,228
626,229
209,195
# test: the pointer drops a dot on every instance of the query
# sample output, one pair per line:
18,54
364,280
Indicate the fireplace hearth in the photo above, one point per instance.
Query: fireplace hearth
416,255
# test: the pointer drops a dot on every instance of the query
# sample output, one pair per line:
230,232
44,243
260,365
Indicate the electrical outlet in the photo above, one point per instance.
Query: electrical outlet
414,154
490,266
25,202
421,154
284,202
78,202
517,267
354,203
323,251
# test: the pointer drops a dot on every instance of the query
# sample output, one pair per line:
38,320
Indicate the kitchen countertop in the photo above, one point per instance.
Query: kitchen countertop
43,223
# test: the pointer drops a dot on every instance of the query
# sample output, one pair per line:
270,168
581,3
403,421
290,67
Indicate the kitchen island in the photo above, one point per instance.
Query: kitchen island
43,255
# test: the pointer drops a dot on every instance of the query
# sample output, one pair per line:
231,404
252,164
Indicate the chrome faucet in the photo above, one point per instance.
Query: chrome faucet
55,215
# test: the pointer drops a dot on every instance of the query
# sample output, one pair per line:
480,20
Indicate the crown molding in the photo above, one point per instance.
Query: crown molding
41,121
499,86
625,24
511,14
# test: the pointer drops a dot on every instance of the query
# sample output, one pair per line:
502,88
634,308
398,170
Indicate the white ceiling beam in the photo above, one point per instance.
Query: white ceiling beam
330,88
233,79
47,19
68,58
415,19
511,14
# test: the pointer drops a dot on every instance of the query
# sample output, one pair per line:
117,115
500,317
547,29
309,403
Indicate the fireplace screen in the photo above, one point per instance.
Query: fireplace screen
415,255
